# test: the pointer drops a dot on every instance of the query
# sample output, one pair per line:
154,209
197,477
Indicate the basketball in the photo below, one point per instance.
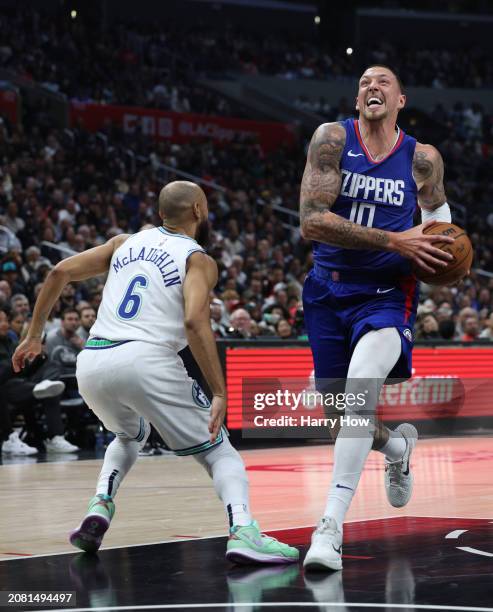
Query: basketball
461,249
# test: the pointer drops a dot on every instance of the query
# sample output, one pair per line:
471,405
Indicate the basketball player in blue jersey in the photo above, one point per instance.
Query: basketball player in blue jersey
362,181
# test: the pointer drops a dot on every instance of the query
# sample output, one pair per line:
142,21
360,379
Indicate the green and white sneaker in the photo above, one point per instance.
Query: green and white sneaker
247,545
89,535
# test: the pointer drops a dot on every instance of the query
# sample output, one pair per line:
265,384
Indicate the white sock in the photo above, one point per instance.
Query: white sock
238,514
119,457
373,359
224,464
349,458
395,447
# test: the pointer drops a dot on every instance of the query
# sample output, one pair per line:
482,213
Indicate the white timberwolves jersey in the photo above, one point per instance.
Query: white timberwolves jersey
143,294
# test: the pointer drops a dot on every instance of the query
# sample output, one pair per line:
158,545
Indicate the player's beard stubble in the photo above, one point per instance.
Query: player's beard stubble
202,233
369,116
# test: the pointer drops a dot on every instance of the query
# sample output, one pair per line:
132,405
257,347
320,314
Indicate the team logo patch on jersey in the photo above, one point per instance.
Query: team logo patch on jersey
408,334
199,397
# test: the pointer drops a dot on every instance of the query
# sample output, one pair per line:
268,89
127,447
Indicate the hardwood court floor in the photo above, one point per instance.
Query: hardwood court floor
171,498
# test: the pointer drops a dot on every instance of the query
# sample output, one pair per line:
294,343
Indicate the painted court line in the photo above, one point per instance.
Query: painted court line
459,518
474,551
223,535
274,604
182,539
453,535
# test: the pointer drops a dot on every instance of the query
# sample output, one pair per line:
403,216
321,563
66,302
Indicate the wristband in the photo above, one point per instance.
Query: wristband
442,213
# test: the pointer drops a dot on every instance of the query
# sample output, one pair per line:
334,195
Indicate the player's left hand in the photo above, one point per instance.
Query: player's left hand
27,349
218,412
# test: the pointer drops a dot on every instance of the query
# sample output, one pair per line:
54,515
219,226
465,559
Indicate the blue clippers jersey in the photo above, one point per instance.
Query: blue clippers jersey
379,194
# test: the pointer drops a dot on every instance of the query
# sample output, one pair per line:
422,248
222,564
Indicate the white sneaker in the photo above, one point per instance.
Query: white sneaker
15,446
58,444
48,388
326,548
398,476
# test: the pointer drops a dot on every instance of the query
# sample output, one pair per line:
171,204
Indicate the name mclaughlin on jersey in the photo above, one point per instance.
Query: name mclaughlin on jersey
159,257
359,186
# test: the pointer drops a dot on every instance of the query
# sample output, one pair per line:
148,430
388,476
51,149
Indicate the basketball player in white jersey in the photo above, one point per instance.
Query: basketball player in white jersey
155,302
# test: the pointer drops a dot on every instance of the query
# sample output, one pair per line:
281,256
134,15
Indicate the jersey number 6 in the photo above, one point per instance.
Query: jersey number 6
358,210
130,305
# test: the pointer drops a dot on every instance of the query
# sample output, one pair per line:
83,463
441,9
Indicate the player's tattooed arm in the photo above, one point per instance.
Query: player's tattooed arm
428,173
321,181
320,187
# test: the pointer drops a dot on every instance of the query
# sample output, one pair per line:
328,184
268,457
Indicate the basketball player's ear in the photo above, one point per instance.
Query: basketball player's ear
402,101
196,209
357,105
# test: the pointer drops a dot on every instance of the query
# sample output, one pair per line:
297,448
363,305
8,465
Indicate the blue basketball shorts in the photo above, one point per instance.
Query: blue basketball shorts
337,314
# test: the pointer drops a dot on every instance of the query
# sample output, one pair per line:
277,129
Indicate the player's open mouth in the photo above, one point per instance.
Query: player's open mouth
374,102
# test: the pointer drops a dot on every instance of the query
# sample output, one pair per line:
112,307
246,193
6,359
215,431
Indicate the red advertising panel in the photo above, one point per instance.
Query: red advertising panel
182,127
9,104
446,381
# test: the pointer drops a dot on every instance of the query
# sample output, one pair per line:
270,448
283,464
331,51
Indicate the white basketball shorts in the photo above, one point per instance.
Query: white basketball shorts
130,384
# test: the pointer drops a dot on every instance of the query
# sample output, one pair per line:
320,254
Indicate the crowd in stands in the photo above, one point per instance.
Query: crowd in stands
69,192
288,57
436,67
63,192
159,66
117,66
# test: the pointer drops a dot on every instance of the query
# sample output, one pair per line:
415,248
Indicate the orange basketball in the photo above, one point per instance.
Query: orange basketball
461,249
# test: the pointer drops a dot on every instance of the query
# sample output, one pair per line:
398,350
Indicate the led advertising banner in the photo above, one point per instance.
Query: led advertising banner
272,387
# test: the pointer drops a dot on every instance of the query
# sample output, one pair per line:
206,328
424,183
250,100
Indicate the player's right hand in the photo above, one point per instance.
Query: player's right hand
27,349
417,246
218,412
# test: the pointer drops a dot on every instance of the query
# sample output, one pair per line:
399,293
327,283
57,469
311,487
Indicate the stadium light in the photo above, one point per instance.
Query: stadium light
317,19
73,14
349,50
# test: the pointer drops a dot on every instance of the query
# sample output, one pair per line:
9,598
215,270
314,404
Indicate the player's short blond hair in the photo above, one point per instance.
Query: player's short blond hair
390,69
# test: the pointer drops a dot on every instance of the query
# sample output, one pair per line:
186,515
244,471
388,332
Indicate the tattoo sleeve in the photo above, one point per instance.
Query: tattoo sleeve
428,170
320,187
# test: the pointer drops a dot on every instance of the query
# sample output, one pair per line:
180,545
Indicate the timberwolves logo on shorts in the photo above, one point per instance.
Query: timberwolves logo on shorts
408,334
199,397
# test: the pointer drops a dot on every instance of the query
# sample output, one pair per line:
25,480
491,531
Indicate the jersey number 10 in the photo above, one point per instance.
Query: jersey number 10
358,210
